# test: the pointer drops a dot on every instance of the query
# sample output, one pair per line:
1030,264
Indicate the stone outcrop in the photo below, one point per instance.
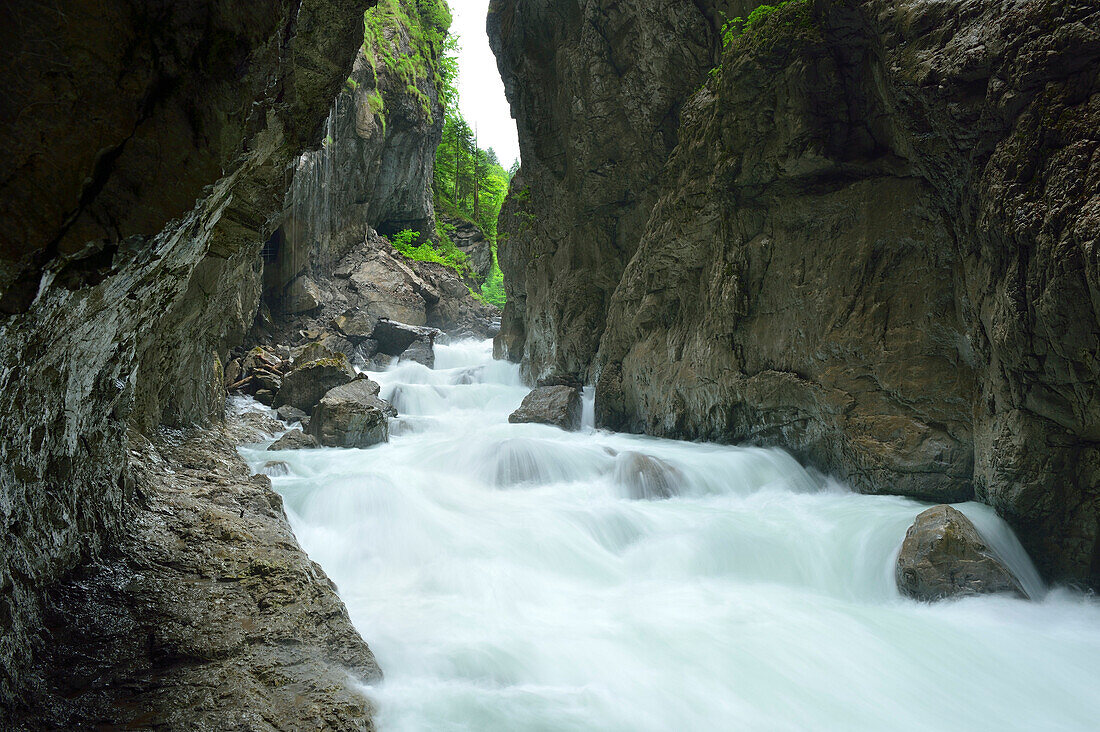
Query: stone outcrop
867,237
372,282
294,440
352,416
306,384
595,88
205,615
119,294
943,556
374,173
558,405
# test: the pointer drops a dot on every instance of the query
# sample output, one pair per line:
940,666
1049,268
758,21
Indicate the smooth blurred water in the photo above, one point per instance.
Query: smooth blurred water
506,580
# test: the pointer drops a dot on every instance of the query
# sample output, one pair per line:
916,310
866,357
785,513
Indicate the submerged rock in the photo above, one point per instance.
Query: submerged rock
276,468
352,416
554,405
304,386
943,555
294,440
647,477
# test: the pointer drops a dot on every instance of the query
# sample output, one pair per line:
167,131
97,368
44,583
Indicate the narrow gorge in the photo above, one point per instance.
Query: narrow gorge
762,391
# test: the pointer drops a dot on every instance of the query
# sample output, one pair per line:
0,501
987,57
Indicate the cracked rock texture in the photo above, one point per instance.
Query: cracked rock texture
209,549
375,169
147,150
870,237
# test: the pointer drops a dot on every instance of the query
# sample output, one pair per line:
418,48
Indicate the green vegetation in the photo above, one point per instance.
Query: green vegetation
789,15
426,23
469,182
445,253
734,28
492,290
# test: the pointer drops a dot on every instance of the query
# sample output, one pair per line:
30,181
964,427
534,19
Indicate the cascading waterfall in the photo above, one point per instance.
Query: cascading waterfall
508,577
312,202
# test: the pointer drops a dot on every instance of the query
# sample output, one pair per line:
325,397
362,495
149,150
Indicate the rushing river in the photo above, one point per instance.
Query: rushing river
506,580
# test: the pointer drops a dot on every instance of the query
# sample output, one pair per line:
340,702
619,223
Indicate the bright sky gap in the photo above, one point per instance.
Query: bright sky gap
481,92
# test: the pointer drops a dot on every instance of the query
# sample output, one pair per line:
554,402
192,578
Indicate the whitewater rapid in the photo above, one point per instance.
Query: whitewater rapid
506,581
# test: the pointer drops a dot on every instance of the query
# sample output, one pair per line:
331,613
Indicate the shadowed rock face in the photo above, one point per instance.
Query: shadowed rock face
943,555
206,615
873,244
120,294
374,171
595,88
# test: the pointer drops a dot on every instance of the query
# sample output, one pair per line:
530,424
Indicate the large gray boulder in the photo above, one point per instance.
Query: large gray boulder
352,415
943,555
394,338
421,351
555,405
303,387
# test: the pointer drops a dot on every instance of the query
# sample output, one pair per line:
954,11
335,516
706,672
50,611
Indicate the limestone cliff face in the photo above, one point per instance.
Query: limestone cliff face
874,244
596,89
119,293
377,162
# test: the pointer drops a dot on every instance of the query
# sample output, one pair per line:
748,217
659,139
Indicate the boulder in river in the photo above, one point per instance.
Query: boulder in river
290,414
943,555
304,386
646,477
352,415
421,351
558,405
294,440
394,338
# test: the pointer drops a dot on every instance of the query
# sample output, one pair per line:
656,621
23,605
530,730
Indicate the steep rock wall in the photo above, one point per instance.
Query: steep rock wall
595,88
377,162
875,245
119,293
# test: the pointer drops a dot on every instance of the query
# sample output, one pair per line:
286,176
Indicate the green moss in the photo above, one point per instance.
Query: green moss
425,22
329,361
766,26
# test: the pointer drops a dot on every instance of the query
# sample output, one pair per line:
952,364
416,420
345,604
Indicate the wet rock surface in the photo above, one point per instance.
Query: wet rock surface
944,556
908,302
306,384
395,338
559,406
646,477
352,416
205,616
120,296
294,440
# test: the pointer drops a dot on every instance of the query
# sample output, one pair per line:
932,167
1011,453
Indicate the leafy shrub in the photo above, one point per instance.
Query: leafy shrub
446,254
492,290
